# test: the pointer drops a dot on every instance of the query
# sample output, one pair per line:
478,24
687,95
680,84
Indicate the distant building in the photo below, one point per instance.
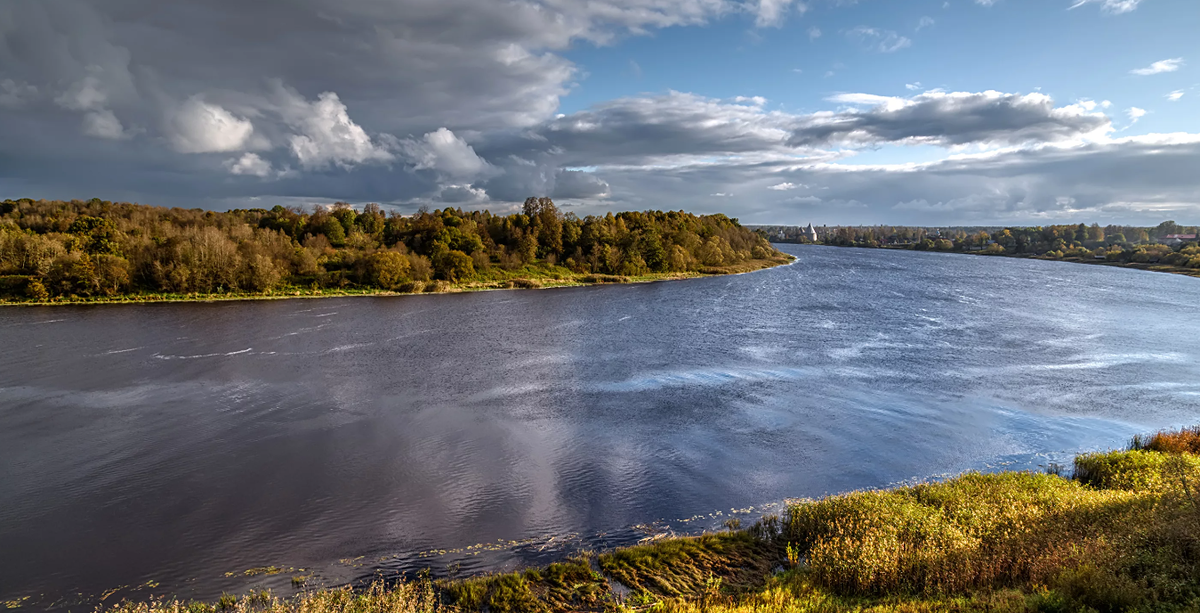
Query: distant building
1179,238
810,233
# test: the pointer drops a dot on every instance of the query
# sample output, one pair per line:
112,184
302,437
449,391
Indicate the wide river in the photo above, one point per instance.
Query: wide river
157,448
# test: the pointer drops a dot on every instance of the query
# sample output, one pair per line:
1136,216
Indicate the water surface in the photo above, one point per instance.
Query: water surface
164,446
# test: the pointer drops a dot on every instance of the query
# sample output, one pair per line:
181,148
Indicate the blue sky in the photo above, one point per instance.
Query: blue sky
1011,46
774,111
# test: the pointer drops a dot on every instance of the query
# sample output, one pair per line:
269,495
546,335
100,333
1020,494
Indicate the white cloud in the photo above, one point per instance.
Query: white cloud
751,100
199,127
1160,66
446,153
875,39
1175,95
772,12
1135,114
783,187
814,33
1115,7
326,136
249,164
925,22
462,194
912,87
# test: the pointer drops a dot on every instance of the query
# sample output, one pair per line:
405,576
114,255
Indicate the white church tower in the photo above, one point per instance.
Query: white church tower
810,233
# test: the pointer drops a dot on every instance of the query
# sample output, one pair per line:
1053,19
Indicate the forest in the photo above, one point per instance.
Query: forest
1167,245
59,250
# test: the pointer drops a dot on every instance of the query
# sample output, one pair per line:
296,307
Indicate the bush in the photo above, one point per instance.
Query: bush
1122,470
1186,440
387,269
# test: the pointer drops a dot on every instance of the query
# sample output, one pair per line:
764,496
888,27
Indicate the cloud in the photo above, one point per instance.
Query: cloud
1131,180
460,194
912,86
414,101
249,164
1115,7
325,135
925,22
1175,95
87,94
104,124
1160,66
949,119
771,12
15,94
200,127
1135,114
573,184
445,153
875,39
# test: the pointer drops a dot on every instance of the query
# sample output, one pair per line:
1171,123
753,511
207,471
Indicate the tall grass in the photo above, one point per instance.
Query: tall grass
415,597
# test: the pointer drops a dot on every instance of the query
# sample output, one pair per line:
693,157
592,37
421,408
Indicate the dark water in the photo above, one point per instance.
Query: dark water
156,448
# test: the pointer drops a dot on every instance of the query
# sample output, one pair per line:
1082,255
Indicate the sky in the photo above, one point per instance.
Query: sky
919,112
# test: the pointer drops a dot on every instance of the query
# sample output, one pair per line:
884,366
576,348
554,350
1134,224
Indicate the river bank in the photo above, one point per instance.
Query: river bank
1117,534
529,277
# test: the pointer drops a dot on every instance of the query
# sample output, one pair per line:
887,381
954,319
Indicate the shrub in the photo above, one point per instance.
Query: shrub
1186,440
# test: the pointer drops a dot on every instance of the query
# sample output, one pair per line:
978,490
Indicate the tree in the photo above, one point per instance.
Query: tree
454,266
387,269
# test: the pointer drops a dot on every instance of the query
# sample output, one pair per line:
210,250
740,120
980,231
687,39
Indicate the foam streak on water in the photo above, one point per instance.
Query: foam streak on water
172,444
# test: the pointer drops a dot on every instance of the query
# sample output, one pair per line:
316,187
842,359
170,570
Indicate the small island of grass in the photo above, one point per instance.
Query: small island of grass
54,252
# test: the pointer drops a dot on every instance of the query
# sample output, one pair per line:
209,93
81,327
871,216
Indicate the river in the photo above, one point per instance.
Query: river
160,448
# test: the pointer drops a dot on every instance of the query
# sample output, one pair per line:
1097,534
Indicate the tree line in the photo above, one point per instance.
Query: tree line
1113,243
101,248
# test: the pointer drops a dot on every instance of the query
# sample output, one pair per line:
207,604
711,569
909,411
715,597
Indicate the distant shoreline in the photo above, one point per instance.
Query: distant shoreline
1150,267
544,282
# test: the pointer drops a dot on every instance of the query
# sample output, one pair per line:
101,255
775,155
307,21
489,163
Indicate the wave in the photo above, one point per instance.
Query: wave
203,355
703,378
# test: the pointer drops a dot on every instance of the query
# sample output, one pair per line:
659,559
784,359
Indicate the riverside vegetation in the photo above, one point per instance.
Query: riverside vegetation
53,251
1167,247
1122,533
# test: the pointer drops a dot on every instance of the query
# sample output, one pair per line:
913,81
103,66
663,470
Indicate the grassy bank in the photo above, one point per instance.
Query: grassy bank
1175,270
1121,533
533,276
